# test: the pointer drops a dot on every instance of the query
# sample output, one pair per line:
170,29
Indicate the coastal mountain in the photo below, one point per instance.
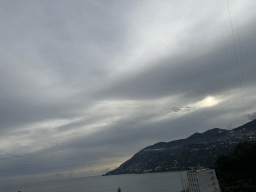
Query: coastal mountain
199,148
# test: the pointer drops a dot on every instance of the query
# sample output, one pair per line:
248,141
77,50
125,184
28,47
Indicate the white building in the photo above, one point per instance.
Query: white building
184,181
202,180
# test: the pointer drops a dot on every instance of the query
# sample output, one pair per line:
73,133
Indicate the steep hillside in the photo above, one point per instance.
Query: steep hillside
199,148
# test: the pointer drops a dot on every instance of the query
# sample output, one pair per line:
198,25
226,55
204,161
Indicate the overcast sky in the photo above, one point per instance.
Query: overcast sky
84,85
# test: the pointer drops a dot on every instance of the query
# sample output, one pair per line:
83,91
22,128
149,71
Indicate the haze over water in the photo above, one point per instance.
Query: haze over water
151,182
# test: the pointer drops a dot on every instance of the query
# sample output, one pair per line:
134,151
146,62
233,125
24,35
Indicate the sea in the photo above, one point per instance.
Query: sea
150,182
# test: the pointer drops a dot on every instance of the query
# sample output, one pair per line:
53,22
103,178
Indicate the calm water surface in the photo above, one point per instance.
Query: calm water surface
151,182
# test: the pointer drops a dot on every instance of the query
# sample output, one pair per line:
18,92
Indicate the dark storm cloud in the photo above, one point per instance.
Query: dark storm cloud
175,109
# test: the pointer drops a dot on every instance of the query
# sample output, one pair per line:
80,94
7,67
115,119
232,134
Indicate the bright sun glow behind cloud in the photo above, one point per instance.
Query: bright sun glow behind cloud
207,102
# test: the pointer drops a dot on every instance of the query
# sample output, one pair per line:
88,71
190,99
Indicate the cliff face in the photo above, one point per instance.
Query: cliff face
199,148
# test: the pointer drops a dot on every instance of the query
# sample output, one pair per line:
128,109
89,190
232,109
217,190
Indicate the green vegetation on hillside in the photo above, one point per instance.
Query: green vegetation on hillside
236,170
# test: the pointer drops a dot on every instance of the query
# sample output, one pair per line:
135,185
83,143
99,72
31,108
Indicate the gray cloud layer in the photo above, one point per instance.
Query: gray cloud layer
85,85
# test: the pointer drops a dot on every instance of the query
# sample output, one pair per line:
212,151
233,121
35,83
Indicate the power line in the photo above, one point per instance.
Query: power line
225,42
238,70
239,44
